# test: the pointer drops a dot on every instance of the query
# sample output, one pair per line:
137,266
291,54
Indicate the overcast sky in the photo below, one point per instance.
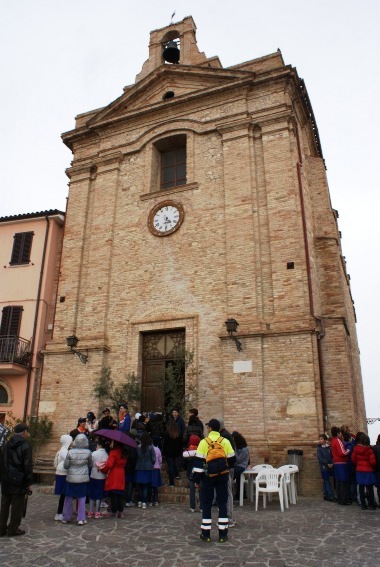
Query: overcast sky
63,57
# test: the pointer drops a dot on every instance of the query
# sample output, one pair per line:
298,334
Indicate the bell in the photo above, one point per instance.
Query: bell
171,52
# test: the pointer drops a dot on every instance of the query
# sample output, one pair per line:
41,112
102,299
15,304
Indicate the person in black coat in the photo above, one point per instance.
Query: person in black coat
193,428
107,421
194,412
16,473
172,449
156,429
80,428
179,420
376,450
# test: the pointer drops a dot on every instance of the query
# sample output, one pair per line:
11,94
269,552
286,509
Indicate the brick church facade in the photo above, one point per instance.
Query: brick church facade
200,195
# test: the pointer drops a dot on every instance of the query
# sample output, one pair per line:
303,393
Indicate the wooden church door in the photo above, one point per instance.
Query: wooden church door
159,349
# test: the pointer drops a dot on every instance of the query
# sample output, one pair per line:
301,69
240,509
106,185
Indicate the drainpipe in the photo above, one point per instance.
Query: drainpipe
309,281
30,369
55,305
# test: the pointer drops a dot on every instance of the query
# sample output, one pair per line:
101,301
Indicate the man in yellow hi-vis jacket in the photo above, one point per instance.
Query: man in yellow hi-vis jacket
214,476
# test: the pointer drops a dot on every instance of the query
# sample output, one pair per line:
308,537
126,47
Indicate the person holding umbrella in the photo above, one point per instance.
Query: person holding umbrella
115,481
114,466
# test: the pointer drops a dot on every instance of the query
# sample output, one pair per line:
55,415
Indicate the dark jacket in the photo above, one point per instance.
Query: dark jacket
155,427
75,432
172,447
107,422
181,425
138,426
16,468
200,424
227,435
145,461
376,450
131,463
324,457
192,430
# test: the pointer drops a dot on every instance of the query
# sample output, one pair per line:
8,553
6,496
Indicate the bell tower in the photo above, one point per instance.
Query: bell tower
180,35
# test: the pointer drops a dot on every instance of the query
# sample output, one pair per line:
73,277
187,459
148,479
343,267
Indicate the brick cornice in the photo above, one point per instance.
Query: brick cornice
166,192
97,165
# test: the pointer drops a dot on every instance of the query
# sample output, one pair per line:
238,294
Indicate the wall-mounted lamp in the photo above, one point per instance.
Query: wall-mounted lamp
72,342
231,326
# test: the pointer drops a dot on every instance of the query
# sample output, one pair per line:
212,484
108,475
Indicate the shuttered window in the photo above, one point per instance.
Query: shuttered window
22,245
11,321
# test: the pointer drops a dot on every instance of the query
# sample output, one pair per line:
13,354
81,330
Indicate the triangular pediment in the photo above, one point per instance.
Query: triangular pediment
180,80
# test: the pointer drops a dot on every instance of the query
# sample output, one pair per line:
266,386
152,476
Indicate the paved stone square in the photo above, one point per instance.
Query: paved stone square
313,533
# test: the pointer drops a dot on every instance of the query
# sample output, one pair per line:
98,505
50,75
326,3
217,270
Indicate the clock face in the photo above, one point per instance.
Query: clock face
165,218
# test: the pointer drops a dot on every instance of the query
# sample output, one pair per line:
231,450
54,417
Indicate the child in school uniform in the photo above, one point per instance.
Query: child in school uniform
188,456
77,463
97,480
364,460
326,465
115,481
60,474
156,473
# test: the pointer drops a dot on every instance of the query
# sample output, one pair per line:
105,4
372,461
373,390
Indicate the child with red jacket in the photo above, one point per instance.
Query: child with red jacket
341,466
364,460
115,481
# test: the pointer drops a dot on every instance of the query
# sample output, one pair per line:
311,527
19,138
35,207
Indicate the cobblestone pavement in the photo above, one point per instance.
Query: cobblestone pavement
314,533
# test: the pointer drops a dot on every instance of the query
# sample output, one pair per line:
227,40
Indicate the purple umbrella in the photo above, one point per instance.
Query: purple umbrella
118,436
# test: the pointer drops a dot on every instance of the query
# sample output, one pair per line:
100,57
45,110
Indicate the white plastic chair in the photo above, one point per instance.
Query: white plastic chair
289,483
269,481
247,478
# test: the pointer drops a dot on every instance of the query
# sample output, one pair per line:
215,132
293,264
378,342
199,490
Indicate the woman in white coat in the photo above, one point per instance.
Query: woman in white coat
60,474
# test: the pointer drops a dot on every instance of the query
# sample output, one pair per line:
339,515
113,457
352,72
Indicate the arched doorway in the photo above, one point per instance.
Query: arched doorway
4,399
3,395
159,350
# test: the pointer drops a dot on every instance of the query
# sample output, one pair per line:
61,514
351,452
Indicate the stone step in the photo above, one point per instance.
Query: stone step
44,478
167,494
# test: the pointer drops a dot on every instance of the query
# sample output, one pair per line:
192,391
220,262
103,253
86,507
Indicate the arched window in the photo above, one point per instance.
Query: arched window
3,395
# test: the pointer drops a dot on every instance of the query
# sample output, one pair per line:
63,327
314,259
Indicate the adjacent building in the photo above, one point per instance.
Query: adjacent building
30,249
199,197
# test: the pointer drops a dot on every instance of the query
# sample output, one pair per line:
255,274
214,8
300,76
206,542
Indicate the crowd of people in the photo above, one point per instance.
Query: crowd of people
353,465
114,475
106,465
99,473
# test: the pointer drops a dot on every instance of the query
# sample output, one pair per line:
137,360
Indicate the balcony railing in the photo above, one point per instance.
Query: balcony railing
14,350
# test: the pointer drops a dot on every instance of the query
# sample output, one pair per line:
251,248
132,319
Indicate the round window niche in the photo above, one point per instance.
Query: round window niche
167,95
